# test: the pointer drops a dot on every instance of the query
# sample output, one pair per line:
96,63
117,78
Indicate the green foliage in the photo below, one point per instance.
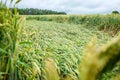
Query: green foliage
115,12
32,11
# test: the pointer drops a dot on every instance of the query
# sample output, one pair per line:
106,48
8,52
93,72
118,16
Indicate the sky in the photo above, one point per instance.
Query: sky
74,6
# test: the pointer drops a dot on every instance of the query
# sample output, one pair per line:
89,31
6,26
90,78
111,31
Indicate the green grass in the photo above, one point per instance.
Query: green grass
62,42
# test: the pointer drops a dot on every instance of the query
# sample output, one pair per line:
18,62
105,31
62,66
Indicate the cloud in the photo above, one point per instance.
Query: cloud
74,6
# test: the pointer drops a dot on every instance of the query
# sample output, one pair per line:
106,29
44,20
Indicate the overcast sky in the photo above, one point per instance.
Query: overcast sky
74,6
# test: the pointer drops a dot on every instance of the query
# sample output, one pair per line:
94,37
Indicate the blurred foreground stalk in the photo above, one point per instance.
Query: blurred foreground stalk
10,30
98,60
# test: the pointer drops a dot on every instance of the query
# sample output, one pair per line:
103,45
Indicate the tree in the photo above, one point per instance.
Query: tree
115,12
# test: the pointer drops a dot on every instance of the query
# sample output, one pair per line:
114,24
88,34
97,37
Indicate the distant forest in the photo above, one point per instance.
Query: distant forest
32,11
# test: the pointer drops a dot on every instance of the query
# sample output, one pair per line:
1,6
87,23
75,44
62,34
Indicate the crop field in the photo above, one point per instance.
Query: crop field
62,42
59,47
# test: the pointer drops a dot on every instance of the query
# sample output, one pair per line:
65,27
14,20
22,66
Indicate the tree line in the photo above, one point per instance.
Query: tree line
32,11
